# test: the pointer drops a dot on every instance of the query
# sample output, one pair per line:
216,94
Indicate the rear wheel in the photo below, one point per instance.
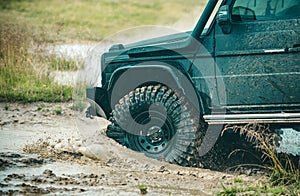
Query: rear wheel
155,121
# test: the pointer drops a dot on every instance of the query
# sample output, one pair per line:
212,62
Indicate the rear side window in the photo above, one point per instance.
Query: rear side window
249,10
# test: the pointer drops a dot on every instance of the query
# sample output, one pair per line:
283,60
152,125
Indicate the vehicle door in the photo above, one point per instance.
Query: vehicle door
258,55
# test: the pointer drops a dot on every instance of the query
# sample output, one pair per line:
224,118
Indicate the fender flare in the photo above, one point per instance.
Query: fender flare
134,76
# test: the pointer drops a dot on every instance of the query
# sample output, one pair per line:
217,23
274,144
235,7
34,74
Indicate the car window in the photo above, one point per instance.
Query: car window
249,10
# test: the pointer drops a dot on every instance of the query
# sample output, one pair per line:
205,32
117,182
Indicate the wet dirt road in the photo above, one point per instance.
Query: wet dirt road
50,149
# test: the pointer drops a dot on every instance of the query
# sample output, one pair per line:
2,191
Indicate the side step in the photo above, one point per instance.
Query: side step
289,141
252,118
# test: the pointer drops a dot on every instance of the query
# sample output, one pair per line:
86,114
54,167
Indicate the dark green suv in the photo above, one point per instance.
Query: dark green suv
170,96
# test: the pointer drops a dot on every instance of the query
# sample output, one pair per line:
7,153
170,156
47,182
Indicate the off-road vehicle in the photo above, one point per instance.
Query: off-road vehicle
240,64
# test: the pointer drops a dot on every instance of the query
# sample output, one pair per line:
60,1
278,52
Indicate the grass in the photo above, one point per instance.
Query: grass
253,190
78,105
238,180
92,20
62,64
284,178
58,110
28,26
41,106
143,189
23,68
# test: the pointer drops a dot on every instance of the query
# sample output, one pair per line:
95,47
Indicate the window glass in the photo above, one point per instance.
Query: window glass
248,10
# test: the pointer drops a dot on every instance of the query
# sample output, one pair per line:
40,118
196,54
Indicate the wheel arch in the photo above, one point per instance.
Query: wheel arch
134,76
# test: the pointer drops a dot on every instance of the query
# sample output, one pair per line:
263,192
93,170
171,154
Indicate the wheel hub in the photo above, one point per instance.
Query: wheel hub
154,140
154,134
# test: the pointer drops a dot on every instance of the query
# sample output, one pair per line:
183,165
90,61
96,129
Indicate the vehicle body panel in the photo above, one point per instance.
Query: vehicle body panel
254,68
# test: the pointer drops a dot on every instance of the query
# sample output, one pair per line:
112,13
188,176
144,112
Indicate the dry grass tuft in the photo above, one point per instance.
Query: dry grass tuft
23,68
284,172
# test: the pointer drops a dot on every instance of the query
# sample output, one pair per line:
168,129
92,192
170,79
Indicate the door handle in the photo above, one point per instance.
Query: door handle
295,48
296,45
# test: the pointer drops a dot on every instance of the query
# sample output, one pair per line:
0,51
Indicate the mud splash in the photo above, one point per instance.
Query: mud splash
42,152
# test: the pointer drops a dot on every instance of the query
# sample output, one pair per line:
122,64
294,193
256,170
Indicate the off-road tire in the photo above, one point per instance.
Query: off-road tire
179,137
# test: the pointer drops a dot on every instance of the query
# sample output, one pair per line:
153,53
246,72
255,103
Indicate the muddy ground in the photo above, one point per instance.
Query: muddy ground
49,148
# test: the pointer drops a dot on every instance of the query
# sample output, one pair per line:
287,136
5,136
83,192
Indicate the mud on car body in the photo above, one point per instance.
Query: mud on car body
240,64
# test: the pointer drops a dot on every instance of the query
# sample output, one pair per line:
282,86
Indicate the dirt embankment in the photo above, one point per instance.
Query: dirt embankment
48,148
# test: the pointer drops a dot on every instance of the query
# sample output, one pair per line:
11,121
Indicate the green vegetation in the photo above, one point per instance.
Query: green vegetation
41,106
143,189
27,27
252,190
238,180
92,20
79,105
58,110
62,64
23,68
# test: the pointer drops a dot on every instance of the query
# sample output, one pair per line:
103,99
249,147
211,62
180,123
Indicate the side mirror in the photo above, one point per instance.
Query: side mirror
224,19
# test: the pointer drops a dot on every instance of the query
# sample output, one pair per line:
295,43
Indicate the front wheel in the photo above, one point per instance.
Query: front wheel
155,121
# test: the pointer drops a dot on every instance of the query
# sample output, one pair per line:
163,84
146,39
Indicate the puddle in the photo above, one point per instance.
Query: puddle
36,175
30,174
